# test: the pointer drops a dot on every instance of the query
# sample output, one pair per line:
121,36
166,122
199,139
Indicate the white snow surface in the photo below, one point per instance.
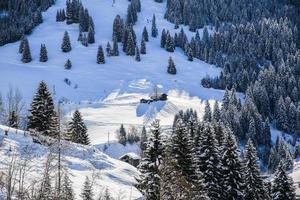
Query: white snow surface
79,160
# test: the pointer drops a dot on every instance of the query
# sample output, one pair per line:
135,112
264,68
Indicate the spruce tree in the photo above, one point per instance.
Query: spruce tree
137,54
41,110
209,161
87,191
77,129
122,135
91,36
80,36
154,30
68,64
67,192
163,38
149,181
100,55
21,46
26,54
171,67
108,49
84,40
143,142
118,28
143,47
43,53
130,49
207,112
282,187
254,189
232,170
115,49
66,44
169,46
145,35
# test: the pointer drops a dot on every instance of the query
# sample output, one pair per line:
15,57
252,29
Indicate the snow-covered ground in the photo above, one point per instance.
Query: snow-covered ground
80,161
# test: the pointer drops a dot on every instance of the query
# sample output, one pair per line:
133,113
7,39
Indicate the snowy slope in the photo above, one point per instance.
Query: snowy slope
94,81
80,161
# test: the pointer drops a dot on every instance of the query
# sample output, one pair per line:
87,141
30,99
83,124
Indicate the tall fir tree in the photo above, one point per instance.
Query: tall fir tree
137,54
43,53
100,55
282,187
41,110
67,192
66,44
26,54
77,129
254,187
87,191
149,181
171,67
154,30
145,35
143,47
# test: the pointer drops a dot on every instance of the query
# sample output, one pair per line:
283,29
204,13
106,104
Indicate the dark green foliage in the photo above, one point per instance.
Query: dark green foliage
118,27
21,18
68,64
145,35
43,53
41,111
143,47
122,135
91,36
100,55
77,130
154,30
87,191
26,54
283,188
66,44
137,54
171,67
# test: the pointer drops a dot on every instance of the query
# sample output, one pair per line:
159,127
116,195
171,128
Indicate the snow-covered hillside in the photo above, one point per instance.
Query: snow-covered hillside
80,161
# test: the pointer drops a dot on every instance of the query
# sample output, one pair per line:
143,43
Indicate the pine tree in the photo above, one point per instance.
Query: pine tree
137,54
68,64
216,112
108,49
79,36
66,44
130,49
122,135
154,30
54,126
232,171
209,161
41,111
87,191
254,189
163,38
67,192
118,28
100,55
43,53
26,55
170,46
143,142
21,46
77,129
143,47
13,119
207,112
84,40
282,188
171,67
149,181
107,195
115,50
145,35
91,36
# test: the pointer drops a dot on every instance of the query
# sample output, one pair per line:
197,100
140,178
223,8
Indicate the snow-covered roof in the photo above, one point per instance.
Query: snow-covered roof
131,155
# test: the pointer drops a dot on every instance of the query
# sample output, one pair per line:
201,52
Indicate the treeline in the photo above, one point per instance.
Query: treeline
265,65
202,160
20,18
